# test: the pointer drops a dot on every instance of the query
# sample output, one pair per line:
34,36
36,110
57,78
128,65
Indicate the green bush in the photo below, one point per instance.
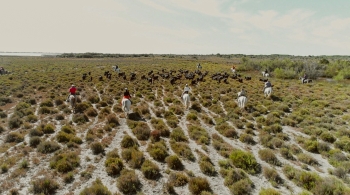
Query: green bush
48,129
48,147
269,156
197,185
150,170
269,191
128,142
245,161
65,162
178,179
128,182
242,187
97,188
34,141
182,149
80,118
272,176
14,122
178,135
97,148
134,157
14,137
234,175
158,151
174,162
44,186
199,134
327,137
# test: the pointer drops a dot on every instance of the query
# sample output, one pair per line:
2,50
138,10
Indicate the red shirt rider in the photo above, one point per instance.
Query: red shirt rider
72,90
127,94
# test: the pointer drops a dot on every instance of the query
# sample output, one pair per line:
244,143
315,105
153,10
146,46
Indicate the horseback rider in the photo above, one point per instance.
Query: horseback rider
127,95
242,93
199,66
72,91
233,69
267,84
186,90
117,69
305,77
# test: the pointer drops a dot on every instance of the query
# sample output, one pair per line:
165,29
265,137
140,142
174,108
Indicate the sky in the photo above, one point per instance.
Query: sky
293,27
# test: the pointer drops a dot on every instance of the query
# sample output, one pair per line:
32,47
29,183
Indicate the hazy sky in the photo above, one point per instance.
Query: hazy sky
296,27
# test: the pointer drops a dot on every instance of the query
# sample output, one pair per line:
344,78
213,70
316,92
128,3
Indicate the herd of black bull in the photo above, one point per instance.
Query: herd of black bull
172,75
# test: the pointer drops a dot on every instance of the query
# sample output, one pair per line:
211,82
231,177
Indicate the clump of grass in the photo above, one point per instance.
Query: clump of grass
272,176
34,141
182,149
307,159
14,137
269,191
178,135
44,185
199,134
221,146
158,151
128,182
206,166
245,161
304,179
246,138
174,162
150,170
113,163
269,156
128,142
134,157
159,125
48,147
226,130
97,187
65,162
112,120
80,118
197,185
97,148
178,179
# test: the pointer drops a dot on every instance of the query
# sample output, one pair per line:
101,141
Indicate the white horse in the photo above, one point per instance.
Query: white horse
267,91
186,99
265,74
242,100
305,80
126,103
72,101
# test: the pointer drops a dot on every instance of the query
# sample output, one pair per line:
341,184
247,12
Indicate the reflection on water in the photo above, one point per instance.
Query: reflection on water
27,54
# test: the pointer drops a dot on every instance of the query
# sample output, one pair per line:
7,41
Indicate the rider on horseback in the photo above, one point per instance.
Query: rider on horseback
242,93
72,91
186,90
267,84
305,77
127,94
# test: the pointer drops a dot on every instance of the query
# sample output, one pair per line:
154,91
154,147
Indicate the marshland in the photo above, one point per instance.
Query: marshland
294,142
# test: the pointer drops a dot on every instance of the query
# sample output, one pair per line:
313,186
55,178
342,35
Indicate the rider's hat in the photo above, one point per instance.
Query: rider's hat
73,85
186,84
126,88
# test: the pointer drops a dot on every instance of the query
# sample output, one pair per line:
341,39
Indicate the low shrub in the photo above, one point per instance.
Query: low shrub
272,176
112,120
65,162
14,122
150,170
48,147
128,142
182,149
174,162
269,156
14,137
97,188
128,182
178,179
158,151
307,159
178,135
242,187
245,161
134,157
199,134
197,185
97,148
48,129
155,136
80,118
91,112
246,138
44,186
269,191
34,141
